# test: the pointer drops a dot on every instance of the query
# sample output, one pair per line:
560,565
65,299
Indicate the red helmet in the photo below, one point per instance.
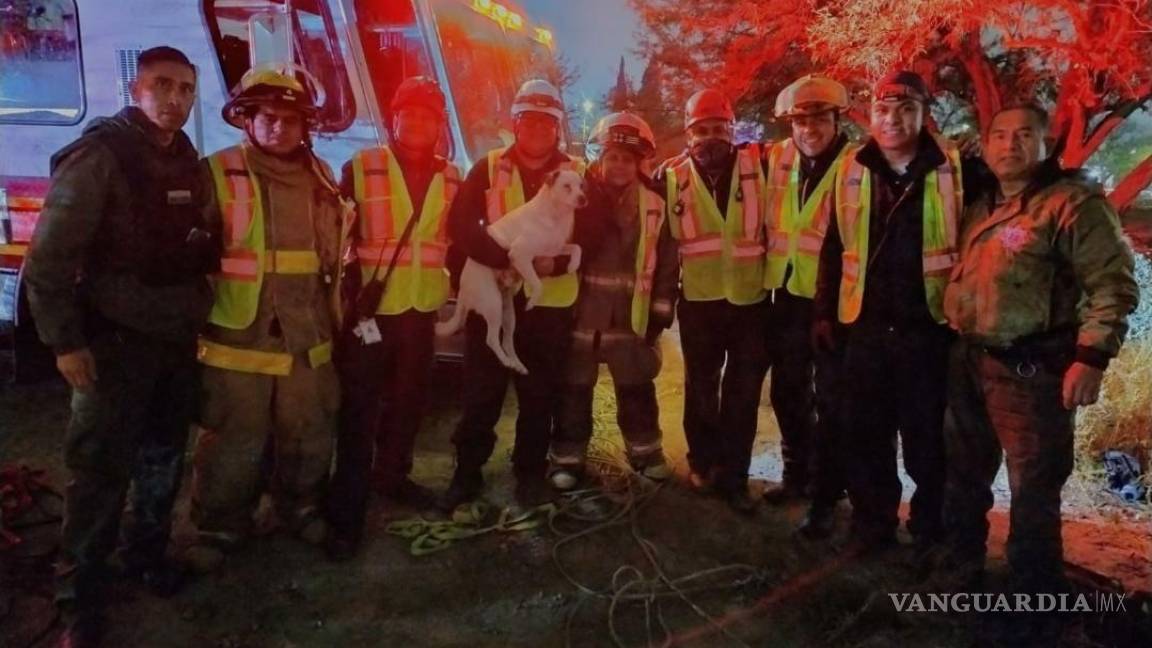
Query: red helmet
707,104
419,91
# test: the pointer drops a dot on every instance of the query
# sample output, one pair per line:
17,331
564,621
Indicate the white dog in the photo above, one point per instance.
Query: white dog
539,228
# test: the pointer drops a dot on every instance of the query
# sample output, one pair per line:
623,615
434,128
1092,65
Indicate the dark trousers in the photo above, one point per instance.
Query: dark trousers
996,409
828,464
385,391
895,381
725,361
792,392
542,339
129,429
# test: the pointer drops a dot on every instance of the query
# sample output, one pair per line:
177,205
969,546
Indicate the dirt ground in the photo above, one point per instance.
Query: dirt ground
756,585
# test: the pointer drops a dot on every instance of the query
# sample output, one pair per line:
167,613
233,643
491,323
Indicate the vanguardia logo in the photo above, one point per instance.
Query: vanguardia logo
1017,602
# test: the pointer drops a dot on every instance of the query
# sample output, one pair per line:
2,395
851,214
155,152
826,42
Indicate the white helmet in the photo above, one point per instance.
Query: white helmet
810,95
627,130
537,95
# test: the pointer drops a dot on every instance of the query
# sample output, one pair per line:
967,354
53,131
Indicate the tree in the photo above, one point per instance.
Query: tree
620,97
1086,60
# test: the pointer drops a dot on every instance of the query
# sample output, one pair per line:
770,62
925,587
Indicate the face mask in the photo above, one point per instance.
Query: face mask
711,154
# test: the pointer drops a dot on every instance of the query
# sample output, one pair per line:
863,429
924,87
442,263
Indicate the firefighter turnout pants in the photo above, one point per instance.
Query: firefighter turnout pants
294,416
633,365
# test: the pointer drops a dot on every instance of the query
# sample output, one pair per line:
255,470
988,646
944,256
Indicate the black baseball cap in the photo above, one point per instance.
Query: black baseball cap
901,85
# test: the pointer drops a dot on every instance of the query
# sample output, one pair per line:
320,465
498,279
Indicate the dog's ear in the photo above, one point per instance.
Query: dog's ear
550,179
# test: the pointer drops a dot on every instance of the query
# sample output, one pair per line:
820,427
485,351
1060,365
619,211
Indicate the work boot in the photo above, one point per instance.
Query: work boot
818,524
784,492
467,485
702,483
869,545
739,499
408,493
82,630
657,472
340,548
164,578
532,491
563,479
314,531
203,558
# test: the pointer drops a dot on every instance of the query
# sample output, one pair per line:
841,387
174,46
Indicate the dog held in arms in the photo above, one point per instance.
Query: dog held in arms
541,227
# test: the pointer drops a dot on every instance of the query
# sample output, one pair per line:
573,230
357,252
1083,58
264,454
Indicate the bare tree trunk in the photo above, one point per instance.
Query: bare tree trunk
1132,184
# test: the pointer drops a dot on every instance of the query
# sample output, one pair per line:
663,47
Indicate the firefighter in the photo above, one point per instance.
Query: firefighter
124,214
801,178
883,269
385,359
1041,300
268,376
627,293
502,181
715,192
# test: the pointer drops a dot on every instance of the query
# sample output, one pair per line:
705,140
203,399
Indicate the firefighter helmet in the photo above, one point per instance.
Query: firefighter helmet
625,129
811,95
267,85
419,91
707,104
537,95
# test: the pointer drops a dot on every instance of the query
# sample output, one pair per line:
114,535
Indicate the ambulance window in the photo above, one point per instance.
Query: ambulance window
395,49
244,31
41,76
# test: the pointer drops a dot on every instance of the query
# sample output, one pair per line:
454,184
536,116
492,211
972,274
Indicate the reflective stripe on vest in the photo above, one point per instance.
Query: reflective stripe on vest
795,233
420,280
943,201
269,363
505,193
721,258
242,265
651,220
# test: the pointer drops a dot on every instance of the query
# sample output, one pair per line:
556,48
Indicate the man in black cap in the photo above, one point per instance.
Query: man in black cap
883,269
124,214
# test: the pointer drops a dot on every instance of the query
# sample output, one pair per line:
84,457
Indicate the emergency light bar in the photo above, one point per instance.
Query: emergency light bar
509,19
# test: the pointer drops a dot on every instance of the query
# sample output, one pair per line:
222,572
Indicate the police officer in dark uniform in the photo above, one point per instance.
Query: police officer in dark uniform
117,282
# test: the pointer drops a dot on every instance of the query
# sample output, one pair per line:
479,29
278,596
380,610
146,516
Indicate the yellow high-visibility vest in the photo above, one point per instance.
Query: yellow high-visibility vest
795,232
721,258
651,220
420,279
505,193
943,202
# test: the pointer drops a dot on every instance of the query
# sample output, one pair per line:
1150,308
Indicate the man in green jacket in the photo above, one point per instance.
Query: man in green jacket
1040,298
116,279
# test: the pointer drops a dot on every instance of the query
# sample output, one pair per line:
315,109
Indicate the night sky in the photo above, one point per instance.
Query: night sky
593,34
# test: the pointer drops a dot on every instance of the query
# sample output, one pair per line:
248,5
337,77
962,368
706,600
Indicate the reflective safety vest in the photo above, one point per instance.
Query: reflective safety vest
420,278
651,220
795,232
505,193
242,268
721,258
943,202
245,260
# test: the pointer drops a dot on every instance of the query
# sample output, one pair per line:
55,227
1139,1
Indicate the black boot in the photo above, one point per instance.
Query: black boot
818,524
82,629
163,578
467,485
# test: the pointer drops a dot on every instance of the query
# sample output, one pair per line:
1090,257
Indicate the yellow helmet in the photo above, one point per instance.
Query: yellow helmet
810,95
266,85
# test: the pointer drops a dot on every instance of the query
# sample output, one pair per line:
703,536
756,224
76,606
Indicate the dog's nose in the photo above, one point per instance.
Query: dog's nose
582,201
